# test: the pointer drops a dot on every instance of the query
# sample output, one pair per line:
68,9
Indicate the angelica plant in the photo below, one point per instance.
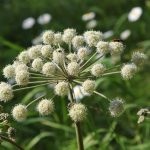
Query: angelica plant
65,61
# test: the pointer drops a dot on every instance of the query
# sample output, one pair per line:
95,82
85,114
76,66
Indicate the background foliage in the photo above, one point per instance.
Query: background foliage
101,132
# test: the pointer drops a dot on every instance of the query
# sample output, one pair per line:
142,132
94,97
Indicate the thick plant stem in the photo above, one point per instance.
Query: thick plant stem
77,125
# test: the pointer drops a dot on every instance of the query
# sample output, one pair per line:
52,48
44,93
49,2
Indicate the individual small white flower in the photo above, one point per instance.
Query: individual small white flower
138,58
102,47
62,88
78,112
108,34
98,69
78,41
6,92
91,24
44,19
92,37
58,38
58,56
73,68
128,71
48,37
68,35
125,34
37,64
88,86
47,51
21,67
35,51
135,14
19,112
37,40
88,16
9,71
49,68
45,107
116,107
72,57
24,57
82,53
28,23
116,48
22,77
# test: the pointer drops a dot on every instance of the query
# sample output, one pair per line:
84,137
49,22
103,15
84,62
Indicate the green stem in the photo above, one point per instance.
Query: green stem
111,73
77,125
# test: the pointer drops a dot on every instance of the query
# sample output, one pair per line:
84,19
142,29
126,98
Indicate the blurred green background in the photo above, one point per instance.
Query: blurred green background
101,132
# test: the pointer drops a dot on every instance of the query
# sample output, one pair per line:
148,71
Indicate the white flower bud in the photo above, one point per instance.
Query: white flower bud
58,38
102,47
62,88
92,37
24,57
116,48
78,112
35,51
20,67
98,69
19,112
138,58
9,71
73,68
37,64
45,107
68,35
48,37
82,53
49,68
116,107
128,71
58,56
78,41
88,86
6,92
72,57
22,77
47,51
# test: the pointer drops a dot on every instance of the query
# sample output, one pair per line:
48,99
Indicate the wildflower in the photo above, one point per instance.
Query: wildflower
91,24
58,56
78,41
49,68
102,47
24,57
58,38
82,53
35,51
9,71
45,107
73,68
78,112
72,57
88,16
47,51
48,37
37,64
19,112
28,23
125,34
88,86
44,19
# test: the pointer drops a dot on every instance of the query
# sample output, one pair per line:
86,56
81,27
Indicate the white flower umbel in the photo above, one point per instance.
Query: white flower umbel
24,57
116,48
73,68
37,64
78,112
93,37
138,58
62,88
89,86
49,68
116,107
98,69
128,71
58,56
102,47
20,67
82,53
9,71
48,37
58,38
47,51
35,51
45,107
19,112
78,41
6,92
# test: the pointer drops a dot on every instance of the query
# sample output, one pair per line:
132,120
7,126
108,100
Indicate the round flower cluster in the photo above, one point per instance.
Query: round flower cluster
64,61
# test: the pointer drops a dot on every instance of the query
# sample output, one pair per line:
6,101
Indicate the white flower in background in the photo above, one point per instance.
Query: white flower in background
108,34
135,14
125,34
28,23
44,18
37,40
91,24
88,16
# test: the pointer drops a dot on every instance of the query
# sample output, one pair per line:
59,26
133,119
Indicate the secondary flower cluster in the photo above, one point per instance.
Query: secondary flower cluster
66,60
